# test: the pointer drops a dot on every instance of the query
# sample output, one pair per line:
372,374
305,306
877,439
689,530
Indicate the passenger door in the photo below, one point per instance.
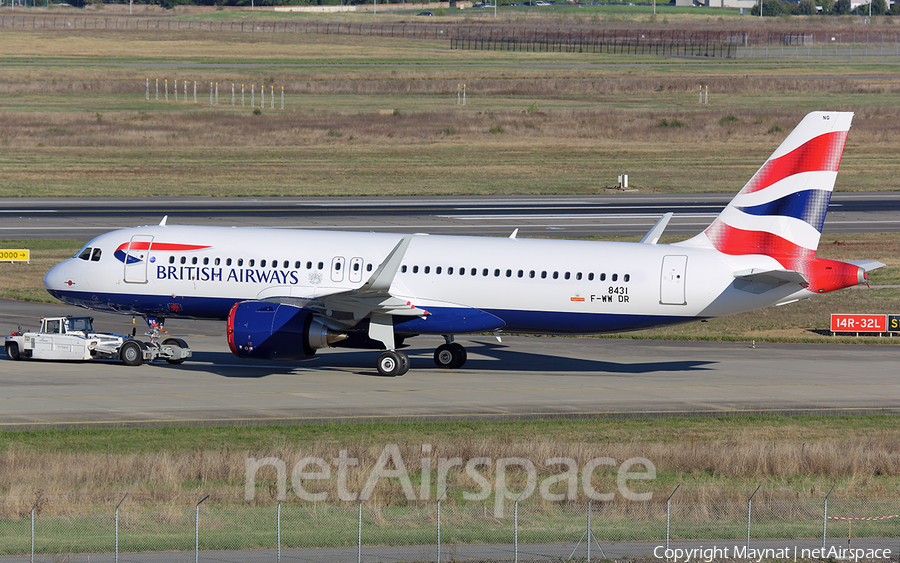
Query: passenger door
671,290
136,255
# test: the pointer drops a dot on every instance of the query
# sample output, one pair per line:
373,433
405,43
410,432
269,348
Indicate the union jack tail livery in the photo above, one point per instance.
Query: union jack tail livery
780,212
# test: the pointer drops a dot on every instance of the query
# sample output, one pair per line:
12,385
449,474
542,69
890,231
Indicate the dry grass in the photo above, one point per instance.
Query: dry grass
715,461
228,152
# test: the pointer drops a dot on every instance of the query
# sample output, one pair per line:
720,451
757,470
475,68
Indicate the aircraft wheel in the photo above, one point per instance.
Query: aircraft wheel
176,342
450,356
462,354
390,364
404,363
12,351
132,353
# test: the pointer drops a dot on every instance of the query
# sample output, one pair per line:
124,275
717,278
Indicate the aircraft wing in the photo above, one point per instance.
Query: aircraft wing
345,308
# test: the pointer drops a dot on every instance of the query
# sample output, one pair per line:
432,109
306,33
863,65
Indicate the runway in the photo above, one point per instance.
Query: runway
618,213
520,377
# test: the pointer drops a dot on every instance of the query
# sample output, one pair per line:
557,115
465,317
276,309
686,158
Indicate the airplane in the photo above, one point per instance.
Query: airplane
286,293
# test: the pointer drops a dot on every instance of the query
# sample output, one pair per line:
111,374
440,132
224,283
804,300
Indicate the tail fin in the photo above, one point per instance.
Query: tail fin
781,210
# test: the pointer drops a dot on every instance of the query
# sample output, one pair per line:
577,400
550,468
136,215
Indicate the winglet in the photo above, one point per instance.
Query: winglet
383,277
652,236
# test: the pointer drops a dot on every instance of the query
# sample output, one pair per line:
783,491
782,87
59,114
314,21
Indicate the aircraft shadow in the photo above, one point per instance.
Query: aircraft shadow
483,356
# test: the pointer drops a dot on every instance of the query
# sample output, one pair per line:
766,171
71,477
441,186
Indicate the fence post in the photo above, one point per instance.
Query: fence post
516,526
362,498
589,531
750,504
668,513
197,530
117,525
440,498
34,506
825,518
278,516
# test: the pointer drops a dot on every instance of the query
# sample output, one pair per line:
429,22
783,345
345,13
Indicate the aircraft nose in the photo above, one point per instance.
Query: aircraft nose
57,278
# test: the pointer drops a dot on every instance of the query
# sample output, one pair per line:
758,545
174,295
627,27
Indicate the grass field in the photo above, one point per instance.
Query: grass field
362,109
715,459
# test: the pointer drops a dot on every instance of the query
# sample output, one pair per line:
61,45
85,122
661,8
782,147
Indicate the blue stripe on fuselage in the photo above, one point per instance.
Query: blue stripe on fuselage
443,320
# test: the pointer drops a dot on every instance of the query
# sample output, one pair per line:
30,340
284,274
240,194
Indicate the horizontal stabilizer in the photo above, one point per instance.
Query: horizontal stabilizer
868,265
769,279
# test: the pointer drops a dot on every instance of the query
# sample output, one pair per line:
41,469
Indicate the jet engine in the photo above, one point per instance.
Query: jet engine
273,331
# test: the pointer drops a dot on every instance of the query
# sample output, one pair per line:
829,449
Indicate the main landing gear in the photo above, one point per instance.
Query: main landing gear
393,363
450,355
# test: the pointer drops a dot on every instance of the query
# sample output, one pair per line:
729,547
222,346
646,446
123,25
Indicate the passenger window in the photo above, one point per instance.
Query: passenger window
403,269
496,272
602,277
568,275
427,269
509,273
531,274
218,261
450,270
474,272
437,270
251,262
484,272
297,265
309,265
368,267
556,275
578,276
183,260
85,254
321,265
286,264
615,277
205,260
521,273
415,269
544,275
627,278
171,259
240,262
356,266
194,260
262,264
228,261
95,257
337,266
591,276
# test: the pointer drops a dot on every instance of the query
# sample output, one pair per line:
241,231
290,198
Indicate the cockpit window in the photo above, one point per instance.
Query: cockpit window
95,257
85,254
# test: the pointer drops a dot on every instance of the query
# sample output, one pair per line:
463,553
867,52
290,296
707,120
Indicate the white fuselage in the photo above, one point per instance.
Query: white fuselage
533,285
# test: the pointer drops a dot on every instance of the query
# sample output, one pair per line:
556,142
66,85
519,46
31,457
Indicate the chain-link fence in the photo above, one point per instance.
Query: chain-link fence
298,531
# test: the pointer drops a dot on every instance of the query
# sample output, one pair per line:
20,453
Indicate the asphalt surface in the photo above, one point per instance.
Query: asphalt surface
620,213
520,377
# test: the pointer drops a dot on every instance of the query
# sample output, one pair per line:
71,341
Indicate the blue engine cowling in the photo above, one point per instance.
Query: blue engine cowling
272,331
